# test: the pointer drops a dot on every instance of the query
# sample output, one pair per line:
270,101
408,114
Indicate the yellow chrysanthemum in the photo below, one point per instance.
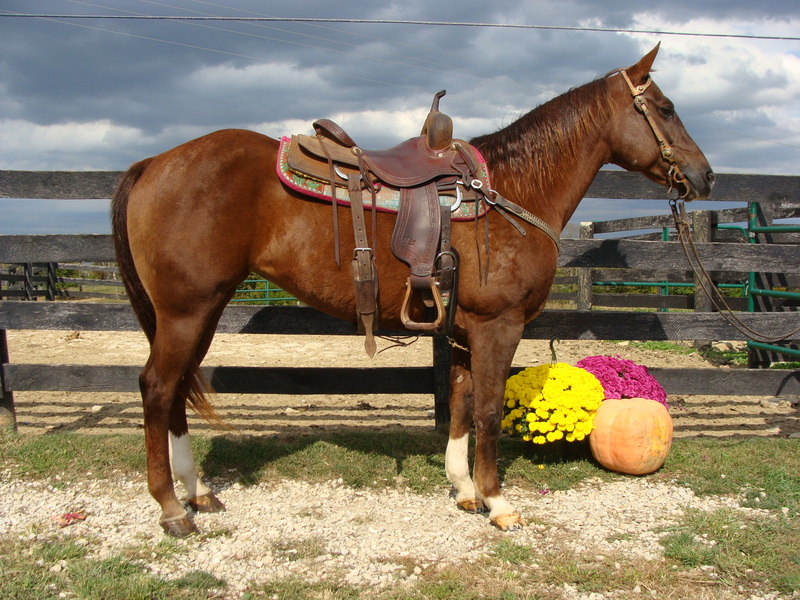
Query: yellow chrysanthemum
552,402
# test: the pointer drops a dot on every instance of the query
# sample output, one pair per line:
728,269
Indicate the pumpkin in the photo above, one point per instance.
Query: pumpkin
631,435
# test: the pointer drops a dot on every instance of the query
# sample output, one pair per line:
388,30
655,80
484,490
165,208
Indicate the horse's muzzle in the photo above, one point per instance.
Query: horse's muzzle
698,183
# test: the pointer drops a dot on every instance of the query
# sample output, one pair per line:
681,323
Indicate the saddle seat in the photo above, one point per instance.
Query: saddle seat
407,164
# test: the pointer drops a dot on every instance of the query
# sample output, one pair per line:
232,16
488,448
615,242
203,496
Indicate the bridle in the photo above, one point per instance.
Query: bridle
674,175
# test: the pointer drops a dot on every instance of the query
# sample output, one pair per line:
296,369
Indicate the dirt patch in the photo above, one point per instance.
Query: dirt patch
259,414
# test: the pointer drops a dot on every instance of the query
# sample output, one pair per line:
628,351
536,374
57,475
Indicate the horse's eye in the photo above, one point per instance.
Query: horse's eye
667,111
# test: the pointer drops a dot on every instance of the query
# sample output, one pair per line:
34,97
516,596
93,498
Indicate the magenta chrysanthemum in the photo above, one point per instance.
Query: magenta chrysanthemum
622,378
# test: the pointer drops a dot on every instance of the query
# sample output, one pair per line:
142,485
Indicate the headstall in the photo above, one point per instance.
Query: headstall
674,176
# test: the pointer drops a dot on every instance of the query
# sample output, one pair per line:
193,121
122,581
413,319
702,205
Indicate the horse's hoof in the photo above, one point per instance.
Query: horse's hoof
511,522
179,526
473,505
207,503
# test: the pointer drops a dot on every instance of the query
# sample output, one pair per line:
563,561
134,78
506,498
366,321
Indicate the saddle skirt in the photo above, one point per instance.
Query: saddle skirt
301,172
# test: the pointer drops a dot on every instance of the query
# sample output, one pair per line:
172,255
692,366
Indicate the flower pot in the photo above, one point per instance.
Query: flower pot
631,435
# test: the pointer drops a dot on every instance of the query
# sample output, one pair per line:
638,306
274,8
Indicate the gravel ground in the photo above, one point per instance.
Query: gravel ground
369,538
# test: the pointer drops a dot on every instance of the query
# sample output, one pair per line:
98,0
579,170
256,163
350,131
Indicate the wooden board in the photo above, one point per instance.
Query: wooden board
729,187
56,248
382,380
232,380
58,185
608,254
555,324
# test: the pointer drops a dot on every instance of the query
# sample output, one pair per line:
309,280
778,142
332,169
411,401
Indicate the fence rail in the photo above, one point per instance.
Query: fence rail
584,260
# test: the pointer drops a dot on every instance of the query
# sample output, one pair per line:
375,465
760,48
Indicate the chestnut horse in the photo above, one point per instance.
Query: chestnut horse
191,223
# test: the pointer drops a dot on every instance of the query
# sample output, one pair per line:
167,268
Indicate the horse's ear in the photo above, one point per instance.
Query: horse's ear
640,70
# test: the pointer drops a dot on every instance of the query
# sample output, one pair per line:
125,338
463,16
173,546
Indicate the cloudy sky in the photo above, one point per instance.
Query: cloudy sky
99,94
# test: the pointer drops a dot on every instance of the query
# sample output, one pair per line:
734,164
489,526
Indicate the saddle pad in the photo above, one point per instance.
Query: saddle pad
387,200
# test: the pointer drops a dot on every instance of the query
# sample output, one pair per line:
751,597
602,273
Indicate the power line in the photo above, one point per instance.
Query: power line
433,66
217,51
406,22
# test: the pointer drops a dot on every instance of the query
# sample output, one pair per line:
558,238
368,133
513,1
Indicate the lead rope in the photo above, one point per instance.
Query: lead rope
707,285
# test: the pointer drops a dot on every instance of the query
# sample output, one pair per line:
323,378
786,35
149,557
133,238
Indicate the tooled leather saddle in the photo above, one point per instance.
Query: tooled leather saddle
428,177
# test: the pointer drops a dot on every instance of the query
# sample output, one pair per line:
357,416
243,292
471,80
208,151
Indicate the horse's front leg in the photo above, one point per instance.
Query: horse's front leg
457,456
492,346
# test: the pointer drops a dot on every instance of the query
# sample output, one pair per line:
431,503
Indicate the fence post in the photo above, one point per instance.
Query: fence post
50,268
27,271
701,232
584,274
8,418
441,382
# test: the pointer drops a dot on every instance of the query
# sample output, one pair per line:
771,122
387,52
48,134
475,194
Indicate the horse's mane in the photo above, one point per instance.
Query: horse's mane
544,140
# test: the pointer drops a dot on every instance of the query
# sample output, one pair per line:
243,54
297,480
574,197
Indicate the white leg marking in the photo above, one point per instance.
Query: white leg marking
498,506
183,469
456,465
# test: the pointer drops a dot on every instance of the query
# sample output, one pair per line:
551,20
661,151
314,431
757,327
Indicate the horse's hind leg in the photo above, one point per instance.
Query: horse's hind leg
172,358
198,495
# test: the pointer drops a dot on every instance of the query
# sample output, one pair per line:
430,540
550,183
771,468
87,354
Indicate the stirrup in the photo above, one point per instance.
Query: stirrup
408,323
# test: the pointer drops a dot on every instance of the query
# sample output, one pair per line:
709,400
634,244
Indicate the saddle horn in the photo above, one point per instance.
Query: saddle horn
438,127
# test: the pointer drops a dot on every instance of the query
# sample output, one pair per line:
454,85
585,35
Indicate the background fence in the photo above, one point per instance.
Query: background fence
753,256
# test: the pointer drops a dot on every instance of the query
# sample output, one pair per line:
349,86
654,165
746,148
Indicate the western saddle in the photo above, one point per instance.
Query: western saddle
422,168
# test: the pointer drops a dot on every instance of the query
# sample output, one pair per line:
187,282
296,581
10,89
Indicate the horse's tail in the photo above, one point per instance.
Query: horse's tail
137,295
195,387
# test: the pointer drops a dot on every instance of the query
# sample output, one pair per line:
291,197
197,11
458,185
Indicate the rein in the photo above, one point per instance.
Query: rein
707,285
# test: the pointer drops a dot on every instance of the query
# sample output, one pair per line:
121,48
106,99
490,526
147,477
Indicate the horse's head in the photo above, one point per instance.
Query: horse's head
648,135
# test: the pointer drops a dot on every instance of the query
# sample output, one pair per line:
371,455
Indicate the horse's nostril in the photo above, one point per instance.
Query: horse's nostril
710,177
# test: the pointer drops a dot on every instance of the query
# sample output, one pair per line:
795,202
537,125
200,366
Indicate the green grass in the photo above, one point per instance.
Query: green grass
736,358
769,478
766,471
57,568
49,455
741,550
662,346
752,552
296,588
359,459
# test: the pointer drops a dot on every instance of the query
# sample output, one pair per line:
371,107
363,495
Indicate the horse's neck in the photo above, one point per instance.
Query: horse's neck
546,161
553,193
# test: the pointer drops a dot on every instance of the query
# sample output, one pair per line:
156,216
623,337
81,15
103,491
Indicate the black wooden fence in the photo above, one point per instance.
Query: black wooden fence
588,257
